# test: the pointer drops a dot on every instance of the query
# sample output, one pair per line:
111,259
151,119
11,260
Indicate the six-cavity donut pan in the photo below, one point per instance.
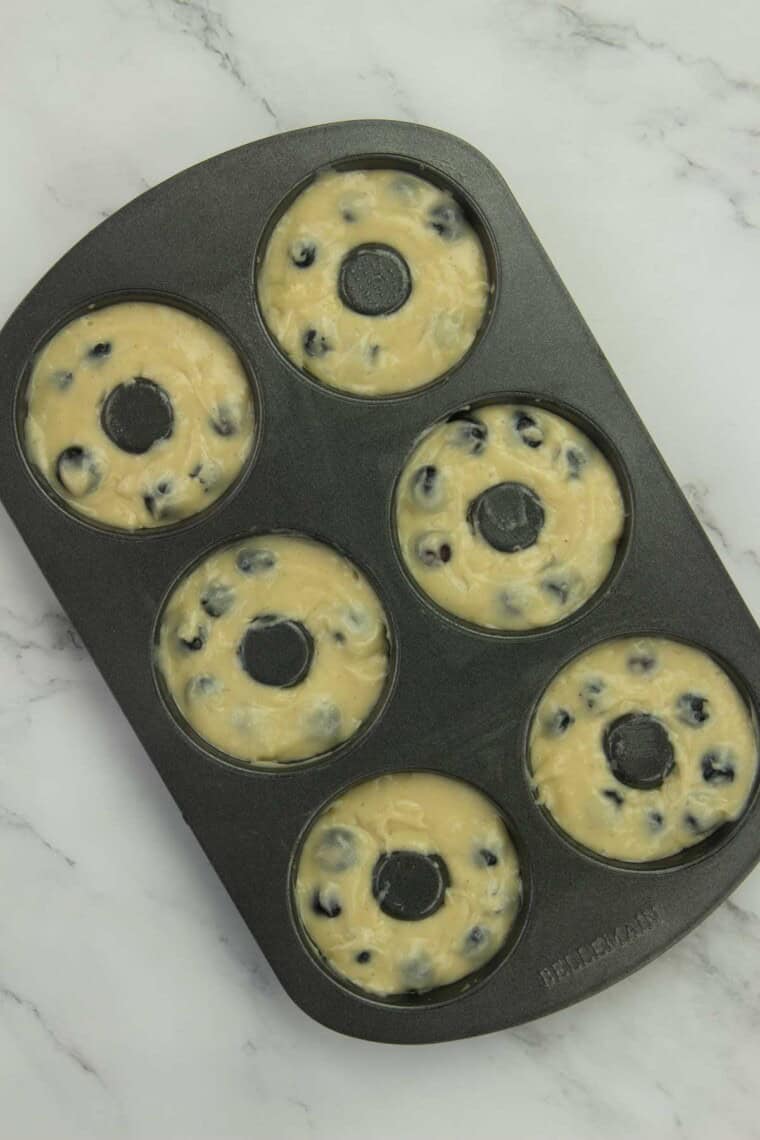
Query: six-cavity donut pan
459,701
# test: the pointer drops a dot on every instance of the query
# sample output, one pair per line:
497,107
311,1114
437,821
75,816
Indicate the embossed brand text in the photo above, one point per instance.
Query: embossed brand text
588,953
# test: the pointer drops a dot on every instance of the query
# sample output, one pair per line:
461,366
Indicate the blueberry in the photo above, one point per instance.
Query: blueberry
406,186
100,350
447,219
207,474
427,488
336,849
223,421
325,903
485,857
155,500
303,253
62,379
255,560
77,471
718,767
417,973
469,434
314,344
201,686
356,618
558,723
695,824
476,940
217,599
363,957
324,723
194,643
528,430
355,622
591,691
656,820
433,550
614,795
576,461
641,662
509,605
691,709
558,589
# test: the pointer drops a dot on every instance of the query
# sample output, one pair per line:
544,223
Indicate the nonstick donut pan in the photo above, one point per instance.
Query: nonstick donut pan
458,699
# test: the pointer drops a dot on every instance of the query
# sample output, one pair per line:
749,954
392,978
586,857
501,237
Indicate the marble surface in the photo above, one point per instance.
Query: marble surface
133,1003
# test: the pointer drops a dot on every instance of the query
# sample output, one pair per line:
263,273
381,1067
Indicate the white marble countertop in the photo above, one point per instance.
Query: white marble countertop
133,1002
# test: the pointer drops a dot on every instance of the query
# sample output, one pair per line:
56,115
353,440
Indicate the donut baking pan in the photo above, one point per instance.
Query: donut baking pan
457,695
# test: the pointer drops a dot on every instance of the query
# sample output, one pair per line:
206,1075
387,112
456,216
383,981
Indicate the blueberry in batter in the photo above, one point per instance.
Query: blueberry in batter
718,767
158,501
530,433
336,850
447,219
303,253
470,434
255,560
692,709
314,344
77,471
62,379
217,599
433,550
427,488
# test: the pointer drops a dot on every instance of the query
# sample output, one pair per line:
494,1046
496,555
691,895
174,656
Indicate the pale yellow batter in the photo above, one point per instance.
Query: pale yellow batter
411,812
374,354
265,581
568,488
206,397
712,743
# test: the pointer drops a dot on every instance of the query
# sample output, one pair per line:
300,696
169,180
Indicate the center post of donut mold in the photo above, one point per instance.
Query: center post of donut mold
374,280
137,414
410,885
509,516
639,750
276,651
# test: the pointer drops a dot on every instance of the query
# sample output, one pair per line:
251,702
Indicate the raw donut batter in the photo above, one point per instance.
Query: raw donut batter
138,415
274,649
408,265
396,847
508,516
649,712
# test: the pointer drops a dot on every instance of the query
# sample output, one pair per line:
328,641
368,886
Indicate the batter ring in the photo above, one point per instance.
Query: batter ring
373,281
138,415
508,516
642,747
408,882
274,649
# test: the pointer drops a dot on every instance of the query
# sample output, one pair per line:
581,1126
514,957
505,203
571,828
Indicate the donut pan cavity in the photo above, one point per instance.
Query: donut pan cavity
459,700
